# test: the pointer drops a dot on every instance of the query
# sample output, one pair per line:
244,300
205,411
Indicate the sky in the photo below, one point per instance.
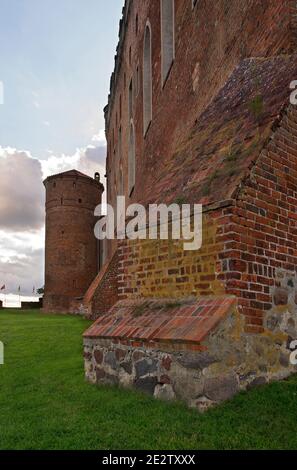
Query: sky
56,58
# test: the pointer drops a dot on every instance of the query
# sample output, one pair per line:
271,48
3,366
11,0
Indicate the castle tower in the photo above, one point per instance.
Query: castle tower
71,249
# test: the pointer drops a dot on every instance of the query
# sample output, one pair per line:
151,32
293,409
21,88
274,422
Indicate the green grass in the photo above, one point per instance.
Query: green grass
45,402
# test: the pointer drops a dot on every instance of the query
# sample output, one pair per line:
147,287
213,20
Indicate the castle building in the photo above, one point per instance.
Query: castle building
199,111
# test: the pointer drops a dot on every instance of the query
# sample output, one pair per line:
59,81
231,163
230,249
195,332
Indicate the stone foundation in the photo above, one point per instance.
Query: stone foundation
226,362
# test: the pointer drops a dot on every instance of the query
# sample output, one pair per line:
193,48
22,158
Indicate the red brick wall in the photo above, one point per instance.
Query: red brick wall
244,244
210,40
163,269
261,233
104,292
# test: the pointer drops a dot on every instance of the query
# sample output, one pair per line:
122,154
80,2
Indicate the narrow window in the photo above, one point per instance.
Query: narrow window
131,159
167,36
130,100
137,80
147,78
120,145
136,25
121,182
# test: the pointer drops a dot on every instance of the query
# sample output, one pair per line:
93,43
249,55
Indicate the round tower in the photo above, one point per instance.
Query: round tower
71,249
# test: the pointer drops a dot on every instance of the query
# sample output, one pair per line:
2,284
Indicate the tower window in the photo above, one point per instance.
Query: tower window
147,78
80,201
167,36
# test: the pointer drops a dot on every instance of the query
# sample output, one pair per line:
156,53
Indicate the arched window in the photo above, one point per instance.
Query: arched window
167,36
119,156
121,182
147,78
131,159
131,100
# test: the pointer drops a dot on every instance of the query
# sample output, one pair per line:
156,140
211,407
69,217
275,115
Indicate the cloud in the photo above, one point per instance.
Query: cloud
22,208
21,191
99,138
88,160
21,261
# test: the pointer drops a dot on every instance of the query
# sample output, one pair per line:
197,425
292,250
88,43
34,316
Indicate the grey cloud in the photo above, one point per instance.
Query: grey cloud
96,154
21,192
25,272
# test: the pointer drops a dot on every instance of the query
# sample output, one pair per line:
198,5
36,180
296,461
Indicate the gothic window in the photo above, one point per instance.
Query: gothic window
147,78
167,36
121,182
131,100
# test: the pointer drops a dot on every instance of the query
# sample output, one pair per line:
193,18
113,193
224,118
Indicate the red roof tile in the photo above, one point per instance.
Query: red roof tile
162,320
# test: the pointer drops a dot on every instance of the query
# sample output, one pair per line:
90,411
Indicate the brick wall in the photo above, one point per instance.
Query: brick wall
162,268
103,292
210,41
261,234
244,244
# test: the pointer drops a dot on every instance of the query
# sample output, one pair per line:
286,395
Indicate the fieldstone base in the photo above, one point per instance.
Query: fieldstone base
226,361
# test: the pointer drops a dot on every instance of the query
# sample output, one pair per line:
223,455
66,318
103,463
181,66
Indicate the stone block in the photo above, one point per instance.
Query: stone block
281,296
145,367
164,392
146,384
127,366
196,360
98,354
111,360
221,388
257,382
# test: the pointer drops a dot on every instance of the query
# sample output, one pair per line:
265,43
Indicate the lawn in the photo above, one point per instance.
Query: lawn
45,402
